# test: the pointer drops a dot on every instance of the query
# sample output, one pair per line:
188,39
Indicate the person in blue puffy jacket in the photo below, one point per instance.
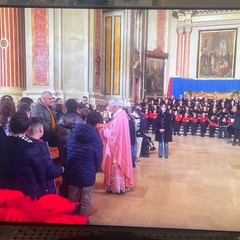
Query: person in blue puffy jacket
84,159
53,171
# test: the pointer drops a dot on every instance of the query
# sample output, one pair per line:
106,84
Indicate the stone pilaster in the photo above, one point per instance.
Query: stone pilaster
12,52
188,29
180,32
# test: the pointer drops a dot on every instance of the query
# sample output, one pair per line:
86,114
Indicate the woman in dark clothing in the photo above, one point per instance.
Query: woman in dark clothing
177,118
7,109
84,159
203,121
194,123
186,123
163,132
236,127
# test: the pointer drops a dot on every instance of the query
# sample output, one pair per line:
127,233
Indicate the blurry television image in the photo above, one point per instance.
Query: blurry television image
129,50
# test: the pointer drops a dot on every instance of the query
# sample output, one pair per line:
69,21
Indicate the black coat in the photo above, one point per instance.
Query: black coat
84,155
25,169
65,125
164,121
132,131
52,170
3,157
236,122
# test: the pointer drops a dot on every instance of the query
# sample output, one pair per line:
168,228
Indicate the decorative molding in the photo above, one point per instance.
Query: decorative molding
205,11
180,29
98,50
176,13
188,28
161,24
40,46
157,53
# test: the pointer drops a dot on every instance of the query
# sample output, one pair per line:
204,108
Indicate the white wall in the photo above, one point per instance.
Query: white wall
75,51
151,31
172,47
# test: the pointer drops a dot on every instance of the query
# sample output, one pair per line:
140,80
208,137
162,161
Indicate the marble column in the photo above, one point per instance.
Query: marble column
188,30
180,31
12,52
161,29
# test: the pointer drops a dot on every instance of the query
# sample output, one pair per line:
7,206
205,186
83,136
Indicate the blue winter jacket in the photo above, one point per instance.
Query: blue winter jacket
52,170
84,155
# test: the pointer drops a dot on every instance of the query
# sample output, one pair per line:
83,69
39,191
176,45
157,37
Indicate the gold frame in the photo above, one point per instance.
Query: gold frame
216,53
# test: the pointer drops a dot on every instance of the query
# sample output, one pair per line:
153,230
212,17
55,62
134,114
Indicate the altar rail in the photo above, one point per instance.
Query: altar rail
178,86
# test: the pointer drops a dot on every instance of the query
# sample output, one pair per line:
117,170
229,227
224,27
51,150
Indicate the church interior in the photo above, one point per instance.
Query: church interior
129,54
123,53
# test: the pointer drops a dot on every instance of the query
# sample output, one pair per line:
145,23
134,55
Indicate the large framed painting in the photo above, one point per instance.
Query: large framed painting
154,72
216,53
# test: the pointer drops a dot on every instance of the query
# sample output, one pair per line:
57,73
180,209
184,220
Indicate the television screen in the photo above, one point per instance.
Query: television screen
145,54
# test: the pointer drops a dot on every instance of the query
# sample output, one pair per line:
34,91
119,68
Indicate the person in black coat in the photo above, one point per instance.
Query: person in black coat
65,125
25,168
163,132
3,157
236,127
85,103
133,138
84,159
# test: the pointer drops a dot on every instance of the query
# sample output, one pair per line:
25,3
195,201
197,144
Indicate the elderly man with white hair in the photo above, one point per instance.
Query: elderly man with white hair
117,164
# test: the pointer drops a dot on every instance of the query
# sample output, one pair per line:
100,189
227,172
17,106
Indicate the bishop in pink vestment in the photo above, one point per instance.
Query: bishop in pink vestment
117,163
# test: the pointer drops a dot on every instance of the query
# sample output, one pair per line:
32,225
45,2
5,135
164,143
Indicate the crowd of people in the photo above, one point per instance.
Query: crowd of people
193,114
89,141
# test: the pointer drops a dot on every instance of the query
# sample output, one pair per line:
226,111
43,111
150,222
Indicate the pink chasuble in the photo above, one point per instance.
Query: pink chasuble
117,163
